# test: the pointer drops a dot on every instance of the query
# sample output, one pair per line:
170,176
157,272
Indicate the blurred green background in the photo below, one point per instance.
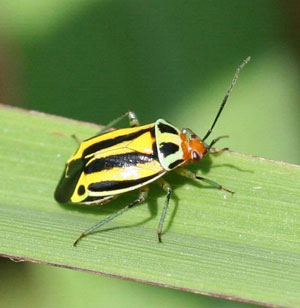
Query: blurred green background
93,60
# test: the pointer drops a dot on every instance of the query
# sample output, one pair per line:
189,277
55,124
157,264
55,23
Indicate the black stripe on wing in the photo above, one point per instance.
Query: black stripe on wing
115,185
113,141
118,161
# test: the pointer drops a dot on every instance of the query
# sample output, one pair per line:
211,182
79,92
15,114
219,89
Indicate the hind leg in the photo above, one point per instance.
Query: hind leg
141,198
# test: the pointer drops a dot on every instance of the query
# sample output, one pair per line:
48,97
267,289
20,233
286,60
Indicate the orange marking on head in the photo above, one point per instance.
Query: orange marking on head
197,145
185,147
193,148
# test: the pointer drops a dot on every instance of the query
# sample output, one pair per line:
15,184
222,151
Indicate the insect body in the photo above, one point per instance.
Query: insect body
114,162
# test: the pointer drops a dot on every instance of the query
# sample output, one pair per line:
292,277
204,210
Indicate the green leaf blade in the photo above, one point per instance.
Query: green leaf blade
244,246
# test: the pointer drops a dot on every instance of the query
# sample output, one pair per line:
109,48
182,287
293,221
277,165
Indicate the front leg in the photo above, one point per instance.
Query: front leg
191,175
212,150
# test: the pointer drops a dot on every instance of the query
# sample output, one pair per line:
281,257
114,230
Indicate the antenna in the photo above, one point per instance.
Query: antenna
234,80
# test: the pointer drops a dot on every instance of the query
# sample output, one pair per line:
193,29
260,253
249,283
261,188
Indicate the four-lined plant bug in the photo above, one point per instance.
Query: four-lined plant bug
117,161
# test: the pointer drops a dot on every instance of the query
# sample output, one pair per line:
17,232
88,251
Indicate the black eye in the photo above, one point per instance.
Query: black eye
195,156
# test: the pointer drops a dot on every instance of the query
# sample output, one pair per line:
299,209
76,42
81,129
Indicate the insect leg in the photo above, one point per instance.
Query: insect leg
189,174
215,151
76,139
133,121
166,187
141,198
213,142
100,201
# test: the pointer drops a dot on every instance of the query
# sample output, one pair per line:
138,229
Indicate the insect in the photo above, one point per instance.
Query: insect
114,162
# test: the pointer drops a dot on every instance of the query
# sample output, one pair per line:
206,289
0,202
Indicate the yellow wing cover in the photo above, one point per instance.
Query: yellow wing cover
110,164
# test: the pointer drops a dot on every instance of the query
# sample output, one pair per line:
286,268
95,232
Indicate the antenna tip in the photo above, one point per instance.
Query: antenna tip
247,60
241,67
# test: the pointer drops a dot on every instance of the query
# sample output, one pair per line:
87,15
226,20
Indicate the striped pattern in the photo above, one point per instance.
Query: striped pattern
111,164
168,141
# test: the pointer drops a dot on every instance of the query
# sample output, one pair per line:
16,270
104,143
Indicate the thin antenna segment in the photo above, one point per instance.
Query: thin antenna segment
234,80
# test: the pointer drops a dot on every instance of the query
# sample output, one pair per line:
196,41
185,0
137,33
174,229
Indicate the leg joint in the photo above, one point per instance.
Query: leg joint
131,115
141,199
169,190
